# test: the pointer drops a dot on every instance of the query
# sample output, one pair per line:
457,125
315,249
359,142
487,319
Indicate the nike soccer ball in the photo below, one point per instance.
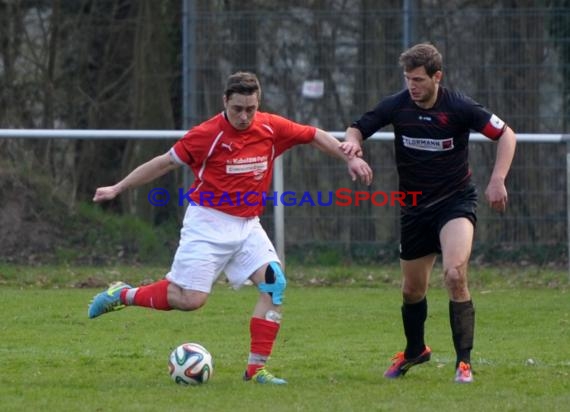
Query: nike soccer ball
190,364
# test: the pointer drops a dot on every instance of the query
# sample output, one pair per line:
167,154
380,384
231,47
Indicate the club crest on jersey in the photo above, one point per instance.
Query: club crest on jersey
431,145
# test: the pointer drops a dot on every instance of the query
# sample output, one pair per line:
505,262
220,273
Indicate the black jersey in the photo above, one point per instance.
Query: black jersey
431,144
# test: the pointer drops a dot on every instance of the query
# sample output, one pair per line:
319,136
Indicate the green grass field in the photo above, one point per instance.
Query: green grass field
333,347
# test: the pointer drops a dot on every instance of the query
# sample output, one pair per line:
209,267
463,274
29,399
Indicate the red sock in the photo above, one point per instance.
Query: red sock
153,296
263,334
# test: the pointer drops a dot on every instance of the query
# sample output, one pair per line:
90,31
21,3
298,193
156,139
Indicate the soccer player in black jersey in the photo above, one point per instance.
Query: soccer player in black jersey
431,127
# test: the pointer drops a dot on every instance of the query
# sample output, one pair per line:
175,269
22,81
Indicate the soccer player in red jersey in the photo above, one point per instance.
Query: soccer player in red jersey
231,156
431,127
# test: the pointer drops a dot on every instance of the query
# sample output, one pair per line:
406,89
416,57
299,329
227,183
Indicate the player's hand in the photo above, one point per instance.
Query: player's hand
351,149
359,169
105,193
496,195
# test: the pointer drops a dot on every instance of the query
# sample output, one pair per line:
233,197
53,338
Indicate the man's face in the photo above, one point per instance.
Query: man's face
240,109
422,87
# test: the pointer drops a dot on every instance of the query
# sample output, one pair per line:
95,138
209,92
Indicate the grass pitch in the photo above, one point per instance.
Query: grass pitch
334,345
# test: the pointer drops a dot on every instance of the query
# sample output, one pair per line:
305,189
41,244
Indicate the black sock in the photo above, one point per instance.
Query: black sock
414,316
462,321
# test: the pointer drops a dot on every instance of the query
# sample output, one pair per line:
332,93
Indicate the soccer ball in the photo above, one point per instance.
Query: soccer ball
190,364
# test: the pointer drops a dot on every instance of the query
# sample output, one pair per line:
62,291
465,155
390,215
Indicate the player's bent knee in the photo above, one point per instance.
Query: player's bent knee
452,274
192,301
413,293
188,306
454,278
275,283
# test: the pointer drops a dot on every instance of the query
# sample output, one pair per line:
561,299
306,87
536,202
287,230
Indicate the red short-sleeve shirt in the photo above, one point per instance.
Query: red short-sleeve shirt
233,168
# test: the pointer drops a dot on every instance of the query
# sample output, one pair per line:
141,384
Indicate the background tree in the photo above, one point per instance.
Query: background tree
117,64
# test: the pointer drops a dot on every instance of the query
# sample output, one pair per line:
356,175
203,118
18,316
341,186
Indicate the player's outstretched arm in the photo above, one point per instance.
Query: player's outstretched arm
357,167
352,145
147,172
496,192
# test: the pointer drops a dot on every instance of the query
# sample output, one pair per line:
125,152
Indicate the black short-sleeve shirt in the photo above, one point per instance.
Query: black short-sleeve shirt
431,145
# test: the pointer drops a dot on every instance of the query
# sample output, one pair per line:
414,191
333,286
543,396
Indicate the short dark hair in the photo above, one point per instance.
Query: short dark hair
423,54
242,83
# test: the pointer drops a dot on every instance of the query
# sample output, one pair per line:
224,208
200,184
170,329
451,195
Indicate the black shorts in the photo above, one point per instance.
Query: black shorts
419,233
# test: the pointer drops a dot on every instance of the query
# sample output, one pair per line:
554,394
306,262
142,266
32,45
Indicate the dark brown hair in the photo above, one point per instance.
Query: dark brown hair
242,83
423,54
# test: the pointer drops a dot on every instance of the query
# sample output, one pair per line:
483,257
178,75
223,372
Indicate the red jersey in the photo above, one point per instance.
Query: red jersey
233,168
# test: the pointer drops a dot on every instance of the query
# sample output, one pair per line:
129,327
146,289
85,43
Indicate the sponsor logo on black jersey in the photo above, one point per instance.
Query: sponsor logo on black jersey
431,145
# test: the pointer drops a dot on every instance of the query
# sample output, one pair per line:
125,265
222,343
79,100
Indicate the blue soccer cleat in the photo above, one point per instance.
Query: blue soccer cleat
265,377
107,301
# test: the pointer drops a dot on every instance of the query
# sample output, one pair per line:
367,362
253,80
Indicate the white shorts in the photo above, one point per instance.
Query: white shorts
212,242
